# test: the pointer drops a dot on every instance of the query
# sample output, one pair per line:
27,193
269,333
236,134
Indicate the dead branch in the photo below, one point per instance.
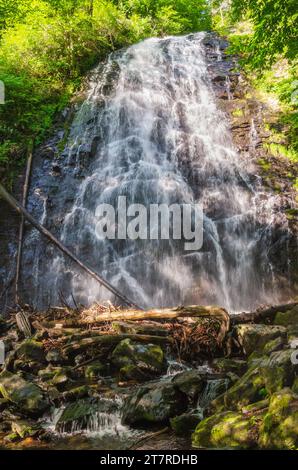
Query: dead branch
21,210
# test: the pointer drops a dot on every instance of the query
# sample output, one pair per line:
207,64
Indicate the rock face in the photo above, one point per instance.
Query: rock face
253,338
138,361
25,395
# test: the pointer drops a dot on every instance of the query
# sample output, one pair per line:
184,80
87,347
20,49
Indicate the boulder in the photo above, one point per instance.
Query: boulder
254,338
154,403
278,370
290,317
27,396
75,414
280,426
31,350
138,361
248,389
94,370
190,382
225,365
230,430
25,428
186,423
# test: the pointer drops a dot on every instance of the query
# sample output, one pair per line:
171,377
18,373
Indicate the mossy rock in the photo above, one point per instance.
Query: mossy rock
25,428
280,426
186,423
278,370
287,318
274,345
94,370
155,403
190,382
253,338
27,396
225,365
31,350
138,361
226,430
248,389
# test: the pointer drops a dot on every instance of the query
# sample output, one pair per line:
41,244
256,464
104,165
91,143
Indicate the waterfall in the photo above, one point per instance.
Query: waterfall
151,130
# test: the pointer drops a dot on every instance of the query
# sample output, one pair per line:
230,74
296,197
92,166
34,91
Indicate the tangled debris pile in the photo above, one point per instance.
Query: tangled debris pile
92,364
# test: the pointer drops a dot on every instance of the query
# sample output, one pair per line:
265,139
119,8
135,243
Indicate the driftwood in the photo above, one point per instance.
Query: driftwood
194,311
21,231
261,315
21,210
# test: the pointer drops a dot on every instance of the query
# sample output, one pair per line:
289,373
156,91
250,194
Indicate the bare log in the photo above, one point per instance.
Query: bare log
194,311
89,317
21,231
21,210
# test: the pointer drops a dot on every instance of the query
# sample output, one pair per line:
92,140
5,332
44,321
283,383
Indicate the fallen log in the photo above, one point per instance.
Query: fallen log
193,311
21,210
262,315
110,340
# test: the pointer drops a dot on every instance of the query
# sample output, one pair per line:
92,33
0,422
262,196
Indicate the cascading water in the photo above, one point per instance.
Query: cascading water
150,129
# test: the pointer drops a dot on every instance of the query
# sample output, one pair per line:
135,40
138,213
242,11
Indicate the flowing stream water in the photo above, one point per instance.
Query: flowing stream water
151,130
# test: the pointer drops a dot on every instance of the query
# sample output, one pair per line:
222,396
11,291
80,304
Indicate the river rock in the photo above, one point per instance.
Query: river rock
226,365
154,403
280,426
25,428
248,389
138,361
186,423
253,337
190,382
94,370
225,430
27,396
278,370
30,350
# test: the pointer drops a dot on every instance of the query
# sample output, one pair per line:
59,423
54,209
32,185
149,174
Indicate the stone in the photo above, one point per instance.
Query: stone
290,317
278,370
274,345
190,382
186,423
248,389
25,428
54,356
230,430
138,361
155,403
226,365
30,350
94,370
27,396
280,426
253,338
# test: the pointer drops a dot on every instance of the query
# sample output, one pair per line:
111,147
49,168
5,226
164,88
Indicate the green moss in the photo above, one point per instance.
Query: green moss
264,164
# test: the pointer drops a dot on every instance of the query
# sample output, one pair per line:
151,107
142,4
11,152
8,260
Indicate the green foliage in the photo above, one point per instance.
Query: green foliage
46,47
